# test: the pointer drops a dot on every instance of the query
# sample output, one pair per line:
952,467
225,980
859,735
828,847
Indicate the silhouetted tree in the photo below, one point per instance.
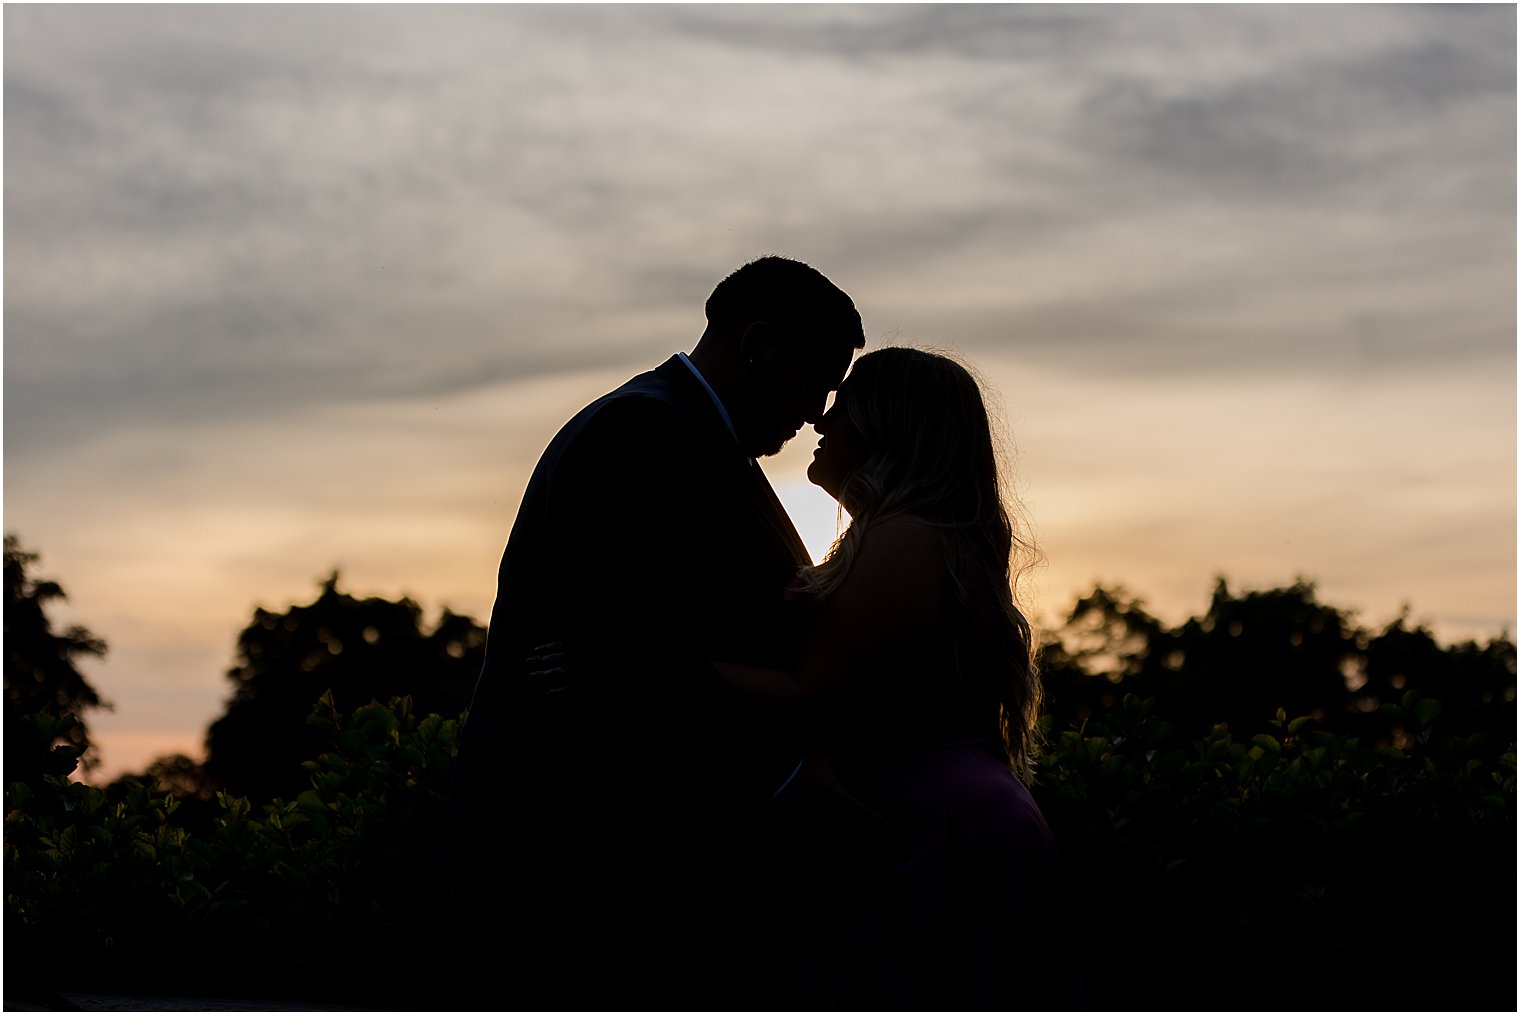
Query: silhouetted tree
1251,654
1475,683
180,776
1108,637
43,686
361,650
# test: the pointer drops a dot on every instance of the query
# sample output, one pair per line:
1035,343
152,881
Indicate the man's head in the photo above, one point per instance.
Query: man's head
779,338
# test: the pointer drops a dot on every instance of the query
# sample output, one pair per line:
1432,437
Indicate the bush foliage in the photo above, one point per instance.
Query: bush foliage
1354,853
291,898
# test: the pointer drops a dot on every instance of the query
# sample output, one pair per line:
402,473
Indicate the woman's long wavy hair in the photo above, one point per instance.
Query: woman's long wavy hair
930,453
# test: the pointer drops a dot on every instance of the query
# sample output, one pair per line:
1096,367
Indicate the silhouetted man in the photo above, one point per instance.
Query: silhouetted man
612,852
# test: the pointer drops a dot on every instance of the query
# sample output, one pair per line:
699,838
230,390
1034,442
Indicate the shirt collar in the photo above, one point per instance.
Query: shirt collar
722,409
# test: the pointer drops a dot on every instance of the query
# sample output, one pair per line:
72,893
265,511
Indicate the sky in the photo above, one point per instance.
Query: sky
291,289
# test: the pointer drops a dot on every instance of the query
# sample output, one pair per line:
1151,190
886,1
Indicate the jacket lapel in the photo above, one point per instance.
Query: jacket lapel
774,512
688,391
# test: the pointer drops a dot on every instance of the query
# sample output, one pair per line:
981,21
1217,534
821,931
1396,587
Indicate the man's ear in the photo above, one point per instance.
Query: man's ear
757,343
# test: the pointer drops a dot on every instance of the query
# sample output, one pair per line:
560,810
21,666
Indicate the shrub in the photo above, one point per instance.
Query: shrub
295,898
1293,869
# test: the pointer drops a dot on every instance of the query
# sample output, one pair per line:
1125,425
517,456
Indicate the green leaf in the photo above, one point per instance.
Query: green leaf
1426,709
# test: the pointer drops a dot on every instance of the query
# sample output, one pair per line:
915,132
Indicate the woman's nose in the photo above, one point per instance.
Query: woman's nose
822,417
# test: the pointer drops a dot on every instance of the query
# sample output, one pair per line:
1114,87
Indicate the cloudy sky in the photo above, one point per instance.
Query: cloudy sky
296,288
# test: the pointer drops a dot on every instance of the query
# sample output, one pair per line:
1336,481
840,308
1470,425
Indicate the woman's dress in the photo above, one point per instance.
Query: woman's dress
931,879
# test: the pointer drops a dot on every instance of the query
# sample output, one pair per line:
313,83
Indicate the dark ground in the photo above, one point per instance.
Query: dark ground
70,1001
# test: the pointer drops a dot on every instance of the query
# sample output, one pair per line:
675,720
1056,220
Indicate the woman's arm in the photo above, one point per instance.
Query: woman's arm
890,595
763,682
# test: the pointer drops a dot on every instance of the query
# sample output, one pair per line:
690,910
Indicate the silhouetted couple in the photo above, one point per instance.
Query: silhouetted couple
759,783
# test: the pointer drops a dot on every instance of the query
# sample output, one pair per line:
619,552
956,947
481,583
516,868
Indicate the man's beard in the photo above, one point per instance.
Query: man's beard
763,444
774,446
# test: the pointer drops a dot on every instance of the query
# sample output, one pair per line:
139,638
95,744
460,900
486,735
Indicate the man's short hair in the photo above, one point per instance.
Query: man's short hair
788,293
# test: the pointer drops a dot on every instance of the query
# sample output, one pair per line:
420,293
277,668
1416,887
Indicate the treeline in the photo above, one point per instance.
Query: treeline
1265,807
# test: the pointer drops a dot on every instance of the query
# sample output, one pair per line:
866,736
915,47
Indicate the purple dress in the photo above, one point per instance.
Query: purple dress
954,904
933,883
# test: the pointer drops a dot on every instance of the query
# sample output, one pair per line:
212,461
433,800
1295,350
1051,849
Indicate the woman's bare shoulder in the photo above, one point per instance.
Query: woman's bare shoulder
903,534
902,546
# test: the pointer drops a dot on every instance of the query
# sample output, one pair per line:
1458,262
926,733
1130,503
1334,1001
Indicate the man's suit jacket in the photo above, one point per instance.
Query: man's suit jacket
649,544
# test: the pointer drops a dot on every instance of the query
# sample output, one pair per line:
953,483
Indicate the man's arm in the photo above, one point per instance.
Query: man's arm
618,517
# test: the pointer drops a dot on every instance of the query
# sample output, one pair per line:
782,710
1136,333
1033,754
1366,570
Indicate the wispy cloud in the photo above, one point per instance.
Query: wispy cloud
227,209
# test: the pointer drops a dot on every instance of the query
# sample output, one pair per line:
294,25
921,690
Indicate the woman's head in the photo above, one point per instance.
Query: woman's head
909,433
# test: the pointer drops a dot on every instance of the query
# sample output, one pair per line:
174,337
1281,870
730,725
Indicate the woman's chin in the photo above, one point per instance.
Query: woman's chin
817,477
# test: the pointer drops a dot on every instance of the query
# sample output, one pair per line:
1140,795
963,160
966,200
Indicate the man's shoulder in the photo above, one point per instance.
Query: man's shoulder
643,392
645,400
647,410
664,383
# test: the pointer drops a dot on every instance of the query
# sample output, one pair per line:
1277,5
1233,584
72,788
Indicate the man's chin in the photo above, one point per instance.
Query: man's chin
772,446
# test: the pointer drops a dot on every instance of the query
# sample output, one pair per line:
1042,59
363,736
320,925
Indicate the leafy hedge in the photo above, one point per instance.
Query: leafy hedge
305,898
1296,869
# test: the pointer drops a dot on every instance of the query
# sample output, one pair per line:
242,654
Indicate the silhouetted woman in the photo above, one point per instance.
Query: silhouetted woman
924,874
